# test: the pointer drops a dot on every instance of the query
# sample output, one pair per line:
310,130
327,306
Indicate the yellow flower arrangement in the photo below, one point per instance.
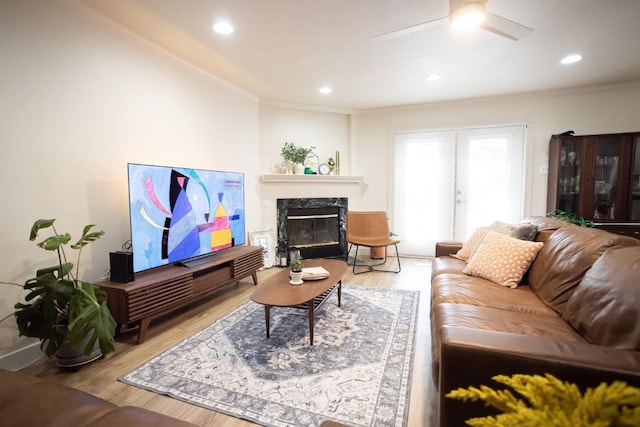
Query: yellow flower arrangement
547,401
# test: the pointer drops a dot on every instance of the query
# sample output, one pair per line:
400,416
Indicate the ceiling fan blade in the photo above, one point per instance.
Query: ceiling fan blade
505,27
409,30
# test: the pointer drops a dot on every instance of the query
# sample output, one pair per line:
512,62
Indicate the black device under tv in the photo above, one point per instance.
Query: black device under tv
121,266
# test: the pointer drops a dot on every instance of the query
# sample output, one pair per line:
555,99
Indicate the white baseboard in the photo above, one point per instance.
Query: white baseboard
21,357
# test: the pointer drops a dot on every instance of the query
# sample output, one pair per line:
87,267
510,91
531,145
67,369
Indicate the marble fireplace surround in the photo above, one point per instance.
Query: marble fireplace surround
309,205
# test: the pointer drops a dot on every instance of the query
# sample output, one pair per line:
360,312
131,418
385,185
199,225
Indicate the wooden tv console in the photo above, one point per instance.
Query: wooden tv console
156,292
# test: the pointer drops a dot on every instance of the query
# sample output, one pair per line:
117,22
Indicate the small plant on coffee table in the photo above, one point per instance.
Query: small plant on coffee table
296,265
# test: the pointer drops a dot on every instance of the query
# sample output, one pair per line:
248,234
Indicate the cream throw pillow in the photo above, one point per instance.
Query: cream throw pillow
467,247
502,259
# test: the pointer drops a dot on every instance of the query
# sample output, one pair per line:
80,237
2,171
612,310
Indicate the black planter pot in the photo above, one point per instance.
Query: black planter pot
71,357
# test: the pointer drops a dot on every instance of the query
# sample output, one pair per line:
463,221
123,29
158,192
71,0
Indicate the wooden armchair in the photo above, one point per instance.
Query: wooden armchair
370,229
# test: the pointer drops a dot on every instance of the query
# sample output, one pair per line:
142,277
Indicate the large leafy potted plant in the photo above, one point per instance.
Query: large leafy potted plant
62,310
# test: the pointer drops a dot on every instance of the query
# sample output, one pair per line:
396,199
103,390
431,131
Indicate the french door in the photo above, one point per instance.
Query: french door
448,183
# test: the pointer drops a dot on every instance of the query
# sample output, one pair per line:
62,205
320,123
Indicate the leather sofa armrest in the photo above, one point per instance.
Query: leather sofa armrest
470,357
446,248
138,417
27,401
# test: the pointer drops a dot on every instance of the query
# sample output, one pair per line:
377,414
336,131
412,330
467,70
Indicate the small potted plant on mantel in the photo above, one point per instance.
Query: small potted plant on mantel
295,156
68,315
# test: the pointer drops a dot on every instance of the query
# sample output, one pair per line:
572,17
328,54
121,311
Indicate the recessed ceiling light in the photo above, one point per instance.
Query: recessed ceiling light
325,89
434,77
223,27
570,59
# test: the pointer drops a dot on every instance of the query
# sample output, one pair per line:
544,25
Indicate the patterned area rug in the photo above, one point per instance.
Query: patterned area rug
357,372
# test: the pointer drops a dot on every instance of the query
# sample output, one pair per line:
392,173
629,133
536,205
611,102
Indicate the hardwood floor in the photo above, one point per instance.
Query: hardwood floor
100,378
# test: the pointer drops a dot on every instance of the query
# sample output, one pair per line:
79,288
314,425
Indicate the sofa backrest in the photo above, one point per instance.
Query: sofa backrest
546,226
568,253
605,307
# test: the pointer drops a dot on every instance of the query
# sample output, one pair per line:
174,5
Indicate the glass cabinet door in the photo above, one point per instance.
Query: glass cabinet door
605,189
635,183
569,176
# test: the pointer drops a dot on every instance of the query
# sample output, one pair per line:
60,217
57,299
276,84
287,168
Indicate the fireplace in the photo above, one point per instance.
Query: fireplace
315,226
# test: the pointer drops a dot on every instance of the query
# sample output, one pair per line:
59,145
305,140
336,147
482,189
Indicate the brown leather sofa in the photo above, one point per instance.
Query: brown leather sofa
575,315
29,401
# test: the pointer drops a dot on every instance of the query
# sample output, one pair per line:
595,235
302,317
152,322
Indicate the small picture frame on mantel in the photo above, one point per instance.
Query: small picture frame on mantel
266,239
311,163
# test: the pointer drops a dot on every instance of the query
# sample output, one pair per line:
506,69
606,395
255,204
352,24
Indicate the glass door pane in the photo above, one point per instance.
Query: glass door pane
569,176
606,177
422,210
445,187
489,178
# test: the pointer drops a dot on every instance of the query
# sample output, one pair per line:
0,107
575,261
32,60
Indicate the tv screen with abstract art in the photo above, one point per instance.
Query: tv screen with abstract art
179,215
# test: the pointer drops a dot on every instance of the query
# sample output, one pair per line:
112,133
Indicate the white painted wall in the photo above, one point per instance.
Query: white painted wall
327,131
79,101
610,109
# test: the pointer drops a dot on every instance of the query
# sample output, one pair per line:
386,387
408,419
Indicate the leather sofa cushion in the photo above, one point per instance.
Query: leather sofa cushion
605,307
494,319
565,258
545,224
448,288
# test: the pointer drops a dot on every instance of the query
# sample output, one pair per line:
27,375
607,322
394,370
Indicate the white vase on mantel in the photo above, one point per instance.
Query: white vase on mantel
286,168
298,169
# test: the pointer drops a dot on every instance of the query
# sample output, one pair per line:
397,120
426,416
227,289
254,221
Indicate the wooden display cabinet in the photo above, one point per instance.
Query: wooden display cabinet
157,292
597,177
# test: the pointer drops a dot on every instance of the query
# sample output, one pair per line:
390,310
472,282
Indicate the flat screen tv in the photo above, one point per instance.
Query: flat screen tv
181,215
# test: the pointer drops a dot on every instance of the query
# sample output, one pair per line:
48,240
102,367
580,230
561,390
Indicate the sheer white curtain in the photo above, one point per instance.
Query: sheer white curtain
423,185
448,183
490,177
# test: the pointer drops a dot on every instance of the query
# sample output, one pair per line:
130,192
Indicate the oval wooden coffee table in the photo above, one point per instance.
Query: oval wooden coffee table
277,292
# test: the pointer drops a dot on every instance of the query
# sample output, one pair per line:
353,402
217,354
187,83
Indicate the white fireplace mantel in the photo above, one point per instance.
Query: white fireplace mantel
292,178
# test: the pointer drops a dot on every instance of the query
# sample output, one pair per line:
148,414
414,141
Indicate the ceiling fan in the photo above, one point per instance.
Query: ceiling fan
467,13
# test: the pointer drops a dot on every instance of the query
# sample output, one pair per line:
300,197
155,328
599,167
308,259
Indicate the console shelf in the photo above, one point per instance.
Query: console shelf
163,290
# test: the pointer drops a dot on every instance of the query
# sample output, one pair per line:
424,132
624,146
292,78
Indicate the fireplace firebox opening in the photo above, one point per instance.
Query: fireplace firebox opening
314,226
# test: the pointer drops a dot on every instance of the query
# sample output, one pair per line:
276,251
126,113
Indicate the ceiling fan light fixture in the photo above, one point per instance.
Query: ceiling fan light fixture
468,15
